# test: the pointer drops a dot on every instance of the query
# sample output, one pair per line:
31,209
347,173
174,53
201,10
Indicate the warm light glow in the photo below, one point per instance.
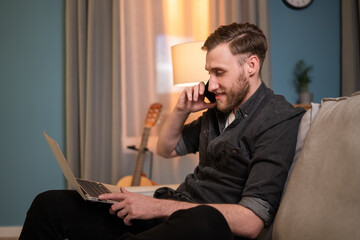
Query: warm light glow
200,19
174,17
187,18
188,61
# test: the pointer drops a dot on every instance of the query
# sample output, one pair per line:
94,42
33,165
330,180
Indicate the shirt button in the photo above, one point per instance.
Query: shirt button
245,115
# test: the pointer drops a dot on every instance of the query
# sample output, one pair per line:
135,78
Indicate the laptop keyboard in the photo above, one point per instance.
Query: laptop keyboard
94,189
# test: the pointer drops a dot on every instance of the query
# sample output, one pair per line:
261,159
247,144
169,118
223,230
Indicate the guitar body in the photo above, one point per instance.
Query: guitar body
126,181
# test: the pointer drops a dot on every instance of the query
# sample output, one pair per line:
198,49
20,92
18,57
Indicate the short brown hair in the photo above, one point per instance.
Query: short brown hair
243,38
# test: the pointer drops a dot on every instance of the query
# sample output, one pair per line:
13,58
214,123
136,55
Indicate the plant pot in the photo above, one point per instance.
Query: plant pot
305,97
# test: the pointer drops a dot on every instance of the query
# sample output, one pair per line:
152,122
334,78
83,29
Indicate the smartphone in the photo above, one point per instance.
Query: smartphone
209,95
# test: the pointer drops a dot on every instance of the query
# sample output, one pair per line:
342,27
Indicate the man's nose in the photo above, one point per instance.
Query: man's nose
213,85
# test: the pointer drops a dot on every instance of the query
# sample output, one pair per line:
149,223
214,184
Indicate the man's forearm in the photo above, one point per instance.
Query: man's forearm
170,133
242,221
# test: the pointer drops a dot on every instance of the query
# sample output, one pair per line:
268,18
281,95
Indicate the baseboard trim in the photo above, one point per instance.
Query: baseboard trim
13,231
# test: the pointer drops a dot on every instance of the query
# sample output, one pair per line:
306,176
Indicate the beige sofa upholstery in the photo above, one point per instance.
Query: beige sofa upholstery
322,197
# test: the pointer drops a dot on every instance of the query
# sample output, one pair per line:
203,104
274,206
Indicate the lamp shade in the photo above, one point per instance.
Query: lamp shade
188,61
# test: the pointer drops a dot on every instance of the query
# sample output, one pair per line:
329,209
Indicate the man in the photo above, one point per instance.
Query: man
246,142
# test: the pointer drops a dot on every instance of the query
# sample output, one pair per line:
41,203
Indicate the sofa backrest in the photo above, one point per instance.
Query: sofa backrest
322,198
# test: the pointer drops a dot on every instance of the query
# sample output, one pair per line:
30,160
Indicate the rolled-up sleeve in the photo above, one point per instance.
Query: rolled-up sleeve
181,149
258,206
189,141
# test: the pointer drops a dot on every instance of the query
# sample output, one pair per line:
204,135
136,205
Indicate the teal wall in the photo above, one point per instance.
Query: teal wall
32,84
31,100
312,34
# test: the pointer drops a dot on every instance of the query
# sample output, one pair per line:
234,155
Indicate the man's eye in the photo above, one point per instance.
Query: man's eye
219,73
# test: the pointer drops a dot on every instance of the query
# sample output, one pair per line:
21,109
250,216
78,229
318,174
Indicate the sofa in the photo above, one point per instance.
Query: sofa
321,199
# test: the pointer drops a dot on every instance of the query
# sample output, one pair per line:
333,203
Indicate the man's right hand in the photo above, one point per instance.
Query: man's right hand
192,99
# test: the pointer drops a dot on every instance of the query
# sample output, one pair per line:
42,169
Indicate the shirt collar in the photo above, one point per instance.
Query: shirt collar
248,107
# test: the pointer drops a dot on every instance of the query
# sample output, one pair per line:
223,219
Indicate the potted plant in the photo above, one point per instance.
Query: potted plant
302,80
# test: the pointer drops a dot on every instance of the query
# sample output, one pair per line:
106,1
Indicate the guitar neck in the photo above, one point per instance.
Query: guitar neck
139,165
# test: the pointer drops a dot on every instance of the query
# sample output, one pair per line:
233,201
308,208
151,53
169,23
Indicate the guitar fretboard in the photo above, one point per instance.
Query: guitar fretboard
140,158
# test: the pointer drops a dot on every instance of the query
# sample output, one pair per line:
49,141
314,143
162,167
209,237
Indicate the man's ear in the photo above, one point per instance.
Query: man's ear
252,65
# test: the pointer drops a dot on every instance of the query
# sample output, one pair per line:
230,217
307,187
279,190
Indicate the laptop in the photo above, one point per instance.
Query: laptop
89,190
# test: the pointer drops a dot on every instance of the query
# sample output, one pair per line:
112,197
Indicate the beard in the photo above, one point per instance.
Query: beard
235,95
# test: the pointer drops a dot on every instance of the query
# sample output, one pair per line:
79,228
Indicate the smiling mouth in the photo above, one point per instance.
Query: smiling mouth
218,96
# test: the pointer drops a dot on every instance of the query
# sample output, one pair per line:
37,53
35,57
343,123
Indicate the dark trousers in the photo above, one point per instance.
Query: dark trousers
64,214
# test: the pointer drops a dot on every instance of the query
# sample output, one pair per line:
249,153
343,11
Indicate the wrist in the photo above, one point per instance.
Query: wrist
181,111
165,208
168,207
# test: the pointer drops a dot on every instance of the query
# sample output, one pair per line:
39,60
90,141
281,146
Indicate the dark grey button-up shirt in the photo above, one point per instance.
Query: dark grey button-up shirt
247,162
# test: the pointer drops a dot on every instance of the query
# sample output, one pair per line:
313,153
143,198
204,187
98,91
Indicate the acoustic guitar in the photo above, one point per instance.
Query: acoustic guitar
139,178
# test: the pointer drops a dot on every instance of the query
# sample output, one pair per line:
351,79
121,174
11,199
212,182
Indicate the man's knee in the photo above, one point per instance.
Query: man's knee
48,202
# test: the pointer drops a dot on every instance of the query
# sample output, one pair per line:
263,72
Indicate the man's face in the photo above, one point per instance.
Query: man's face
227,78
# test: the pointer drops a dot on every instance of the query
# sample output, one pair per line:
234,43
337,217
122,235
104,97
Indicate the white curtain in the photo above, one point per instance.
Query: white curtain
118,63
350,80
93,122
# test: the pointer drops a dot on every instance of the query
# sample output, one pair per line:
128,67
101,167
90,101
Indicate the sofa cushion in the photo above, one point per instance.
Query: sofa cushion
304,127
322,199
